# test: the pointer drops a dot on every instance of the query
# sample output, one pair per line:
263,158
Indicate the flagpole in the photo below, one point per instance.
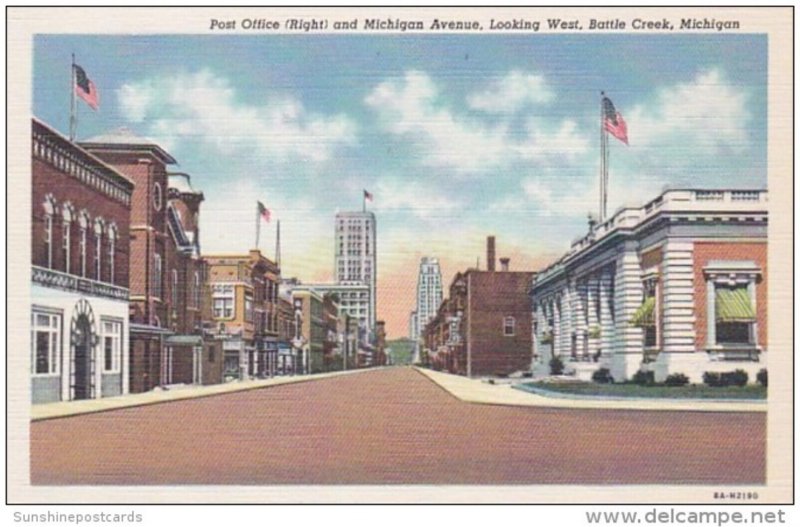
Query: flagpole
603,160
363,201
73,118
278,245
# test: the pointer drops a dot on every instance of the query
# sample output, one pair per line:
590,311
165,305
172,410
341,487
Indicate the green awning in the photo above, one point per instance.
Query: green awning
733,305
646,314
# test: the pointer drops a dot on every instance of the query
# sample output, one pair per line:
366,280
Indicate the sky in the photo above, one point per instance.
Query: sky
457,136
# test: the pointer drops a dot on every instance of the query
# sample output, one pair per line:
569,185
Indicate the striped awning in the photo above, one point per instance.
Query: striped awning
733,305
646,314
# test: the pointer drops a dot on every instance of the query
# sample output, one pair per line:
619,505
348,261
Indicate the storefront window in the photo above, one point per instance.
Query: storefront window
46,343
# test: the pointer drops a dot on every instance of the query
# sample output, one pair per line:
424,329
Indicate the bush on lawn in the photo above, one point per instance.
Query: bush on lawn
735,378
676,379
556,366
761,377
644,378
602,376
728,378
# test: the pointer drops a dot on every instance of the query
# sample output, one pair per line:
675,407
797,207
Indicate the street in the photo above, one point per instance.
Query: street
391,426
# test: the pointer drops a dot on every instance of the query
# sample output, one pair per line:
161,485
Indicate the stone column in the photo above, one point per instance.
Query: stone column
566,320
580,316
677,298
628,342
592,320
606,319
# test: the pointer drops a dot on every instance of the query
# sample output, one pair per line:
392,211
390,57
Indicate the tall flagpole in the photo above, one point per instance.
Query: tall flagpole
363,201
603,160
73,118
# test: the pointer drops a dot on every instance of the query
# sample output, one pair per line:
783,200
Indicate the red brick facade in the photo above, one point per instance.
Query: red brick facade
704,252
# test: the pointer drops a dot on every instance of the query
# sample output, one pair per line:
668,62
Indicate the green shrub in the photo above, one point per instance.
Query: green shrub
676,379
761,377
712,378
644,378
602,376
728,378
735,378
556,366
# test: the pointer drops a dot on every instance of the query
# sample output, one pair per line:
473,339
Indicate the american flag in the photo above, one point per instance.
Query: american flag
85,88
613,121
367,195
264,212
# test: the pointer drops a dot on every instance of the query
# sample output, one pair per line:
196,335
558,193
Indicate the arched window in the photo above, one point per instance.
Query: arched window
98,249
174,291
196,290
157,275
83,223
67,213
112,247
49,212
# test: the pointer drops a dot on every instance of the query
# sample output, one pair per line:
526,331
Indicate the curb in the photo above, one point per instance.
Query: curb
581,397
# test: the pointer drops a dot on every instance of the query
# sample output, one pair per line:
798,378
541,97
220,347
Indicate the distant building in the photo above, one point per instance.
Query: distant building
80,243
355,260
429,297
353,299
484,326
244,313
678,285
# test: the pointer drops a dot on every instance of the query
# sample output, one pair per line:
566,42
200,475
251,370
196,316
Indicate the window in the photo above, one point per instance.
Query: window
735,315
49,210
66,227
112,243
509,326
83,221
112,346
157,276
223,297
157,197
46,343
248,307
98,249
196,290
174,292
646,317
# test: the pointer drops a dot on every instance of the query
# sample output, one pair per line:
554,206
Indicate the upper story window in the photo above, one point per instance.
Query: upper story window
509,326
223,297
49,212
157,275
67,215
196,290
158,197
174,287
112,248
98,249
83,224
248,307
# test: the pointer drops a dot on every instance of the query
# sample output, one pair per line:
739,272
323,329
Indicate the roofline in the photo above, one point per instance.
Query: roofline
125,179
152,148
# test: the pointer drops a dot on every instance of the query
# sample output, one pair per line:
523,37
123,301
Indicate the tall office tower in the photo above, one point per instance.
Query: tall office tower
355,260
429,293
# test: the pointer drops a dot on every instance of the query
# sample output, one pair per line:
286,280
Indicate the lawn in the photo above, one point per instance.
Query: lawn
691,391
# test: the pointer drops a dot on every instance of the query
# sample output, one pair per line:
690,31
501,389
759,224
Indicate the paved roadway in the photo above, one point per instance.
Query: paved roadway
391,426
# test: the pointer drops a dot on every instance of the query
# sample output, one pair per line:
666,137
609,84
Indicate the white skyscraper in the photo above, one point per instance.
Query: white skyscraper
355,261
429,294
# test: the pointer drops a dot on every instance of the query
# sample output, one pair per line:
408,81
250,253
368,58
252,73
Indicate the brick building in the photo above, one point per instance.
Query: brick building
166,271
678,285
483,328
244,313
79,272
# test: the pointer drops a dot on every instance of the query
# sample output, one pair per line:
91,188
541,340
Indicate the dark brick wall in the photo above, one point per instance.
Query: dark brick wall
492,297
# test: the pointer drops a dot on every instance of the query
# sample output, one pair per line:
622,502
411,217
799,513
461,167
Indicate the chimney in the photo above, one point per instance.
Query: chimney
490,253
504,264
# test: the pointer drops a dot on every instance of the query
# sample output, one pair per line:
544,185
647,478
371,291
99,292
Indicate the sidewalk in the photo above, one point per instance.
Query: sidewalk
87,406
476,391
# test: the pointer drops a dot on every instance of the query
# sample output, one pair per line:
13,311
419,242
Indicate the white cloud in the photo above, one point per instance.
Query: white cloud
707,113
205,107
412,196
414,108
511,92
